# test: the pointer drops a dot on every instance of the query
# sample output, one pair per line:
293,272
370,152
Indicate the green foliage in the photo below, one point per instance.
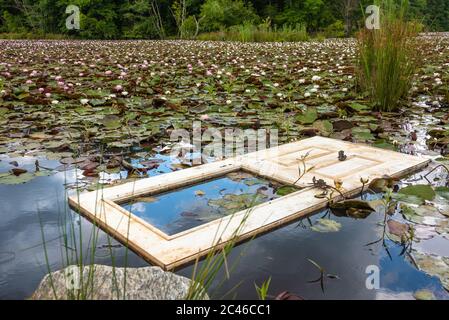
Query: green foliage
137,19
388,57
262,33
335,30
220,14
262,291
188,28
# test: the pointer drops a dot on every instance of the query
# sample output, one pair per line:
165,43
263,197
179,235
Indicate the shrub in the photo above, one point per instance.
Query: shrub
262,33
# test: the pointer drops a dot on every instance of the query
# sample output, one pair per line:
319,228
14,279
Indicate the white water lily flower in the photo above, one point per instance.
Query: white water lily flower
316,78
84,101
313,90
302,80
55,102
307,94
124,93
228,101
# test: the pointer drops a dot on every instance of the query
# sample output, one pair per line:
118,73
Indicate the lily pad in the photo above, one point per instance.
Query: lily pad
422,191
325,127
442,192
13,179
362,134
407,198
307,117
111,122
285,190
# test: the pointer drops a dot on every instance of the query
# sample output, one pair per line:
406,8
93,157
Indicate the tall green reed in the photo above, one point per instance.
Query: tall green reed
388,57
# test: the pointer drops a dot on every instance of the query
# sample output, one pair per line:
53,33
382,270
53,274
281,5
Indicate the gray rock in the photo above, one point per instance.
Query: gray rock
107,283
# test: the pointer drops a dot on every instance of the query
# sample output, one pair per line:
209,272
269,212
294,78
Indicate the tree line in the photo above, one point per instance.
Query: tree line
153,19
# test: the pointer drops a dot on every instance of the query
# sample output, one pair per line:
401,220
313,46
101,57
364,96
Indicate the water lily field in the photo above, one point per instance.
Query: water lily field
84,115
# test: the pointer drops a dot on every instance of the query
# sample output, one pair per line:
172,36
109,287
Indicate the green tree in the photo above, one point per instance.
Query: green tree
218,14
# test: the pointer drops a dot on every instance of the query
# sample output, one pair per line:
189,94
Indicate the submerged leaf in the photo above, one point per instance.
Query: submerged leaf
326,225
285,190
424,294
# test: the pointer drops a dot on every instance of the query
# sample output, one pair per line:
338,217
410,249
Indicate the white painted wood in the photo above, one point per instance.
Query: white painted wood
280,163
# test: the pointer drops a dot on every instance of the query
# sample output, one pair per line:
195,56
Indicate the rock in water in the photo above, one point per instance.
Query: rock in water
107,283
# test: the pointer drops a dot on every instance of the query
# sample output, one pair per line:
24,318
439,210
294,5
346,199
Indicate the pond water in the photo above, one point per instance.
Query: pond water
102,111
35,211
185,208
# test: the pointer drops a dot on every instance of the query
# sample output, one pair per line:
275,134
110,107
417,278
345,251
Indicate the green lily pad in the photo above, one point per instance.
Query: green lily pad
232,203
111,122
407,198
285,190
307,117
324,126
426,215
383,144
358,107
442,192
362,134
12,179
422,191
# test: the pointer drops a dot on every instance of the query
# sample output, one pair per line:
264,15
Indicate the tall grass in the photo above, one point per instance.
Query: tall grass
205,274
73,254
262,33
388,57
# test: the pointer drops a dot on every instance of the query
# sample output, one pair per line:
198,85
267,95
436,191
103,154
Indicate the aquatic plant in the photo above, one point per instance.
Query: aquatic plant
262,291
388,57
73,254
248,32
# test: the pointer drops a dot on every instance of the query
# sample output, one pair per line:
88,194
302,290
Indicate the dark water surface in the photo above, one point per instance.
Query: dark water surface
185,208
39,206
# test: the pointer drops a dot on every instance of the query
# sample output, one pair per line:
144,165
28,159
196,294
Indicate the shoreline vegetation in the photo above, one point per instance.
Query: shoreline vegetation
230,20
